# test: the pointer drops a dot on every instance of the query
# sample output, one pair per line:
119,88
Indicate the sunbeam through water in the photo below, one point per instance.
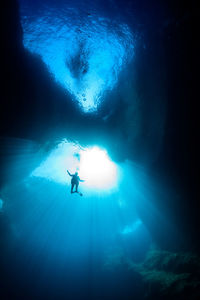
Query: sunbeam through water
93,164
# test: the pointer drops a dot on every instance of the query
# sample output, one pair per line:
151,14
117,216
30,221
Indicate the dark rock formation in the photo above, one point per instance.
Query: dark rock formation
162,275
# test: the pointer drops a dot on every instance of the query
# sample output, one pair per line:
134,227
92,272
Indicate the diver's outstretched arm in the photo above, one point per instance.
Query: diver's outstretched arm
69,173
81,180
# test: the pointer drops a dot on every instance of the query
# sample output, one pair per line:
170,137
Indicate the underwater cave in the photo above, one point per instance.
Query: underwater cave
99,160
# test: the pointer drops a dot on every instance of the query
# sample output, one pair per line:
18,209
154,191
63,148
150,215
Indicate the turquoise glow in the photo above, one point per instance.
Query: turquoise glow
93,165
131,228
64,234
1,204
84,53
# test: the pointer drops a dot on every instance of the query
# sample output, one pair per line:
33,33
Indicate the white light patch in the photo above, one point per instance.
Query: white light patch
92,164
96,167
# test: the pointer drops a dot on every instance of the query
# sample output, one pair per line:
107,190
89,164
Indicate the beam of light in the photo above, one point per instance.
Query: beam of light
62,232
84,54
1,204
65,235
97,168
131,228
93,165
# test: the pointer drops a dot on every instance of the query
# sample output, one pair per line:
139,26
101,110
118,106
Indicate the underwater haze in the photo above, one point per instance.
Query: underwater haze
98,163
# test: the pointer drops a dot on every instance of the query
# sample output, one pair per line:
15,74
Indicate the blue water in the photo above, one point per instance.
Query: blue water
64,246
62,240
84,50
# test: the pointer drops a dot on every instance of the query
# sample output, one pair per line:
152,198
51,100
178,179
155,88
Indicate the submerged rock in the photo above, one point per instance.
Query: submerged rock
167,275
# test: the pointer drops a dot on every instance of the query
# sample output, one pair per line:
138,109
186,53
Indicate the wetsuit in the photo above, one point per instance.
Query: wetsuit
74,182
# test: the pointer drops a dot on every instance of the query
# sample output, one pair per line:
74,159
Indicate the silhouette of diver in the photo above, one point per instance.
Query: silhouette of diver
75,182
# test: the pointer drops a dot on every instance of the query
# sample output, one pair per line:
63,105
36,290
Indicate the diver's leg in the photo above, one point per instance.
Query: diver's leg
76,187
72,187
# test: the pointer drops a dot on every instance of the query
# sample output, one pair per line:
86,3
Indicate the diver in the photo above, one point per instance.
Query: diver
75,182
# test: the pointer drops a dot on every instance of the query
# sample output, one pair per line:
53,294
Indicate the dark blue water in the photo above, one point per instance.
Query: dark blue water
92,96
